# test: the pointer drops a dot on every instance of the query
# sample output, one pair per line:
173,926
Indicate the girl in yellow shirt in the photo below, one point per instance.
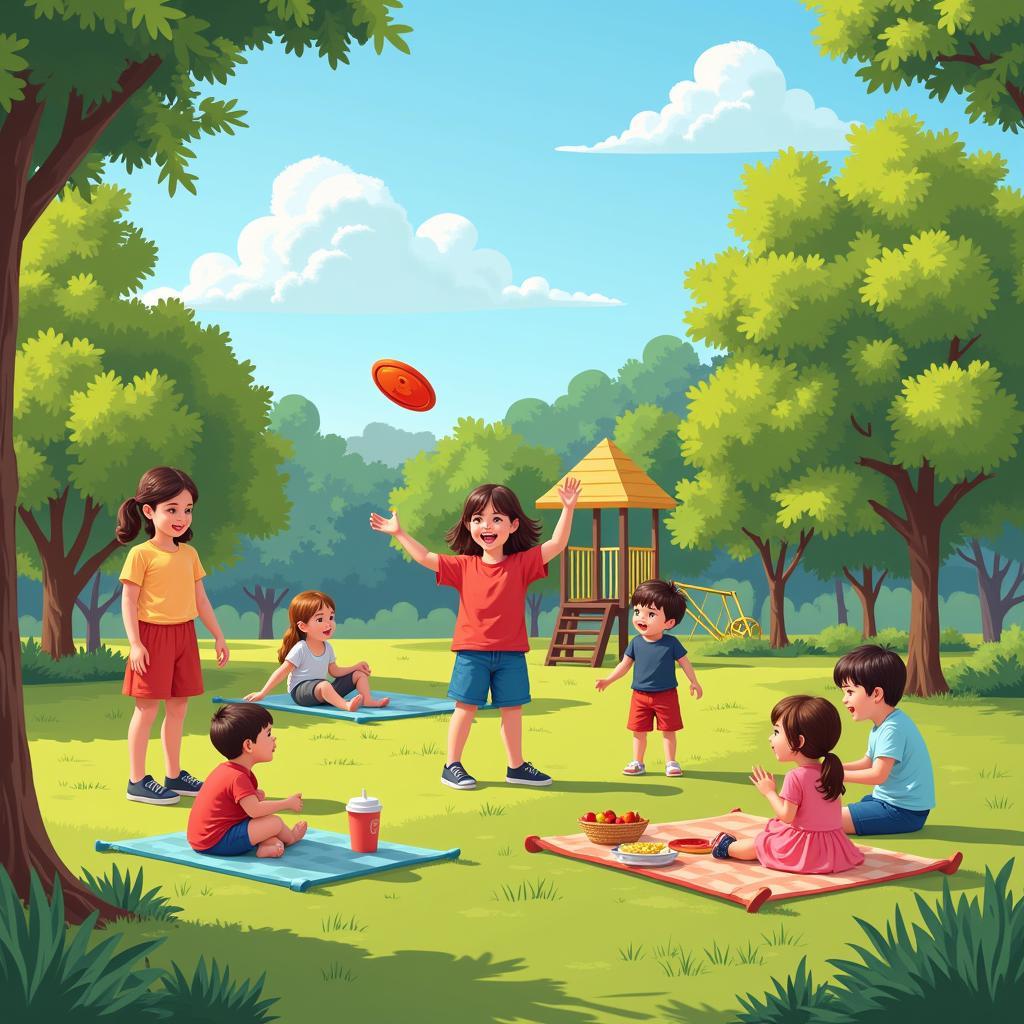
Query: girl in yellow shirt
163,594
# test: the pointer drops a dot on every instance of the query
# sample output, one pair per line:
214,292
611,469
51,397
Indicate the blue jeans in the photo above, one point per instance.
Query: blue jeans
874,817
502,673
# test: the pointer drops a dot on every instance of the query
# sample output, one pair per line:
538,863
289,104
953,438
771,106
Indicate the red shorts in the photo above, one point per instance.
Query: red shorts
645,707
173,670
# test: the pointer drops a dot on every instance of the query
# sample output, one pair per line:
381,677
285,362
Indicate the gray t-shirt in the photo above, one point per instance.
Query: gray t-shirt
307,664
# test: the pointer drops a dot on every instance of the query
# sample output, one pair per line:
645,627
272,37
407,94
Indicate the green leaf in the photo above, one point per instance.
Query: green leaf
158,16
12,84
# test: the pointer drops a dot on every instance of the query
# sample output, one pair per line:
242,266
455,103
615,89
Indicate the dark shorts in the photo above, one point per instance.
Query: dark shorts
501,673
647,708
234,842
874,817
173,669
304,692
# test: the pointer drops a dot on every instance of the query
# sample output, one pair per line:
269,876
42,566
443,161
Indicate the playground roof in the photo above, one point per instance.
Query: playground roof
611,479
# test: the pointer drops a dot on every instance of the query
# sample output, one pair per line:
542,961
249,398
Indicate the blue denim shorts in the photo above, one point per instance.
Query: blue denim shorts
874,817
234,842
502,673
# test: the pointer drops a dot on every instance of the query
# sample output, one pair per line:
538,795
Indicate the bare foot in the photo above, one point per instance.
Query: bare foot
355,703
383,702
270,848
298,831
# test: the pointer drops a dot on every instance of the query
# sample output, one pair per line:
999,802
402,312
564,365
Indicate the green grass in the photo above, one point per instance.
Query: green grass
337,923
450,927
489,810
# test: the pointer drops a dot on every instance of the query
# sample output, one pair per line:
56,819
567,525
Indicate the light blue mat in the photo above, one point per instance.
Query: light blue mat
403,705
318,859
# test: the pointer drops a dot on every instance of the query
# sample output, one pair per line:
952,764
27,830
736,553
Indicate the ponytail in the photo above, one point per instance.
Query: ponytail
129,521
291,638
831,783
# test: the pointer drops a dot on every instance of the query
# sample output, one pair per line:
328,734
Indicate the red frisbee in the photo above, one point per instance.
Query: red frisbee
403,384
690,845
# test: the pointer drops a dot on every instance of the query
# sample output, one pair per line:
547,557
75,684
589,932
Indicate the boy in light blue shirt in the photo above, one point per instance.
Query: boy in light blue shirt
897,763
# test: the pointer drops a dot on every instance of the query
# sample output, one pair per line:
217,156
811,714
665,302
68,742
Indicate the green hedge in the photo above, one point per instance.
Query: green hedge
103,665
759,647
994,670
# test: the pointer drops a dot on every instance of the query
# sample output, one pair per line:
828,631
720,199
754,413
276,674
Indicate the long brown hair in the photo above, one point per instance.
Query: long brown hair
505,503
303,607
817,722
158,484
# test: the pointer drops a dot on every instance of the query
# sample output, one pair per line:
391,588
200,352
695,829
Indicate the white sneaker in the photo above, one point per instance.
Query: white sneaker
634,768
672,769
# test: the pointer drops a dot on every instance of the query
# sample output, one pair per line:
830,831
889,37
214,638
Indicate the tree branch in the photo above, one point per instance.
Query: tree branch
110,600
88,518
969,561
885,468
901,526
281,597
853,579
251,597
955,351
805,539
93,563
33,528
877,589
78,136
958,491
860,430
966,58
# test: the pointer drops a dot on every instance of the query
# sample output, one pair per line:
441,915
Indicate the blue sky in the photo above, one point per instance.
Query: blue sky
469,125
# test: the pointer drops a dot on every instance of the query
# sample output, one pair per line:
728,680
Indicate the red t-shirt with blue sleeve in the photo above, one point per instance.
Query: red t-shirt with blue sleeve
492,598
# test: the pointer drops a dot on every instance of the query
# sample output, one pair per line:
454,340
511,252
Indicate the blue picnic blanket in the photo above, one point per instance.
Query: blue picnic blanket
403,705
320,858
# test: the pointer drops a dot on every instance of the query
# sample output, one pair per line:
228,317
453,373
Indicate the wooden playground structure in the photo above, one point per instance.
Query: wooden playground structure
597,581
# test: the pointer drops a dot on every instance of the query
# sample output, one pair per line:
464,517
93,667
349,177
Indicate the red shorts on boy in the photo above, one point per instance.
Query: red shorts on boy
173,669
663,706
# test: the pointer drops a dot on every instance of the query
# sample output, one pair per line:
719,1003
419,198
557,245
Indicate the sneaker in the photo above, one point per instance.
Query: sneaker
720,845
149,791
634,768
184,785
527,775
457,777
672,769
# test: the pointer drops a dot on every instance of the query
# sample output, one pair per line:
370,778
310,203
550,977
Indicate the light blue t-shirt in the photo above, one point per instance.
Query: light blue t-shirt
307,664
910,784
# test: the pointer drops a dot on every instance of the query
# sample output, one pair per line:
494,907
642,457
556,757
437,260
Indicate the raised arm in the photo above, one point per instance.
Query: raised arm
569,492
416,551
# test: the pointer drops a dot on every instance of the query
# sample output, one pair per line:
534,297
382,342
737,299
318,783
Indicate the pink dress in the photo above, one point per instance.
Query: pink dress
814,844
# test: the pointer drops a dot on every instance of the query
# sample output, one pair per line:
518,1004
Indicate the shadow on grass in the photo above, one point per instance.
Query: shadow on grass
969,834
406,984
932,882
703,1014
734,778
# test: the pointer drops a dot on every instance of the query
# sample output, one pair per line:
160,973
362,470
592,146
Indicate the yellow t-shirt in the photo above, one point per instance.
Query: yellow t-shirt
167,580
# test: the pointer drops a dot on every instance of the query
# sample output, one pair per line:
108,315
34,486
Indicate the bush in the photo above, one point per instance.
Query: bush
213,998
897,639
120,892
46,977
951,639
968,963
758,647
838,639
994,670
103,665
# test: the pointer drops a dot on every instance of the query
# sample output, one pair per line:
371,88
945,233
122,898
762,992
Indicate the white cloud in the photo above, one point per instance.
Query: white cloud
737,102
336,241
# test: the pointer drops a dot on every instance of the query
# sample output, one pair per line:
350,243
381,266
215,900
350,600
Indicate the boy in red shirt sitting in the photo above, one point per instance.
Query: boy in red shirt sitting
231,815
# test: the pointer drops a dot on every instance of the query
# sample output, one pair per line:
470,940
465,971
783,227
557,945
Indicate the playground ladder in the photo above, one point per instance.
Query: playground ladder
581,634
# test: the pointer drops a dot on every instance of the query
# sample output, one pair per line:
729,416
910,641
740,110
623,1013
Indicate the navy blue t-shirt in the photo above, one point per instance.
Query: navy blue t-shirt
654,662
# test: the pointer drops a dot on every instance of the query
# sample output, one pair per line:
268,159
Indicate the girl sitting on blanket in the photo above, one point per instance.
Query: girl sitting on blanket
806,836
307,659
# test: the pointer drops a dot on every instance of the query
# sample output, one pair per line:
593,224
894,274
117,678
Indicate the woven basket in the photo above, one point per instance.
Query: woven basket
610,835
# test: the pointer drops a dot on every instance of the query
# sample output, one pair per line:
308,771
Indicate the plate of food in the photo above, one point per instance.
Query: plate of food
690,845
644,854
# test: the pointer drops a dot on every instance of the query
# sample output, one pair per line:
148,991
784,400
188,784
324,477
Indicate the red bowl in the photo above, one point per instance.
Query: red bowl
690,845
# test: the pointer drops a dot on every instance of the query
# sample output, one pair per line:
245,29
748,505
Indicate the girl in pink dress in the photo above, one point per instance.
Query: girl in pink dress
806,835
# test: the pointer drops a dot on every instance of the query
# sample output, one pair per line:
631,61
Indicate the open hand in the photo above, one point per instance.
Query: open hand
382,525
603,684
294,802
569,492
696,691
222,652
256,696
362,666
764,781
138,658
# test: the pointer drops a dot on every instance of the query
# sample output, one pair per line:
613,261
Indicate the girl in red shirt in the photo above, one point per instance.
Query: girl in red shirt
496,558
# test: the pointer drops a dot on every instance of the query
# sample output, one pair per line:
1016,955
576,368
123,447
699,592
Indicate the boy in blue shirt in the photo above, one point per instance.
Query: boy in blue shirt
653,655
897,763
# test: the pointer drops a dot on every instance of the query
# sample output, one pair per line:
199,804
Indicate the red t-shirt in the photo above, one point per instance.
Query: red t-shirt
492,598
218,804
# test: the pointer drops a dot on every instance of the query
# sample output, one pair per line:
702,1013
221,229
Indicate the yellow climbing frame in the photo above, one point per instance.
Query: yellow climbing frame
711,611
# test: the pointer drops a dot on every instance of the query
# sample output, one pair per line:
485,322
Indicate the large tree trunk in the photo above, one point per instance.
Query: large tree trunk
24,845
266,605
534,602
94,612
994,603
777,574
867,592
921,528
63,579
842,616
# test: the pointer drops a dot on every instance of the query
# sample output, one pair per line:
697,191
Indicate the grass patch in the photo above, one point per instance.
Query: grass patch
114,714
631,953
781,937
338,762
542,889
999,803
749,954
337,923
81,785
725,705
337,972
489,810
504,851
995,772
719,957
323,736
368,734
